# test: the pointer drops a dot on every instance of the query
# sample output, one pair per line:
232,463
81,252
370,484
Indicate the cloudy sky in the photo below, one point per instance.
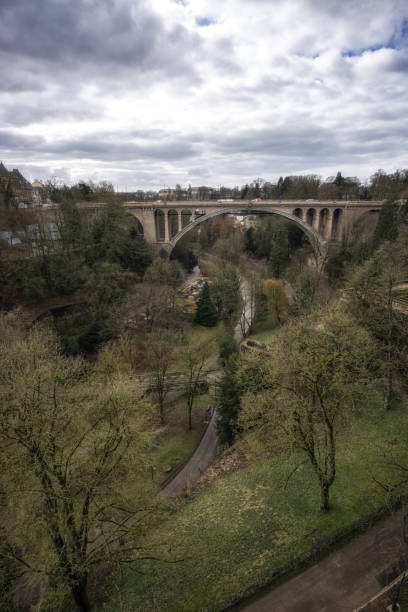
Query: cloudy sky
158,92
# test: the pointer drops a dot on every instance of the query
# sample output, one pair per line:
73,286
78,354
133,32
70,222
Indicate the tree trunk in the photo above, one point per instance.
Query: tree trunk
161,408
389,381
388,388
324,490
190,426
80,595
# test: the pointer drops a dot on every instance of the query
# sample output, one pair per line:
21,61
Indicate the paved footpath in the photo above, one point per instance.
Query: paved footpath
197,464
344,580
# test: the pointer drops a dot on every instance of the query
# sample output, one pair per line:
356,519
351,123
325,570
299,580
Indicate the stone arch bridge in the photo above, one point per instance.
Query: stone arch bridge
322,221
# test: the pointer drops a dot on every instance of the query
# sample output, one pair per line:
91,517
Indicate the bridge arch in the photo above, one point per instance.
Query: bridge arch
337,223
186,217
323,220
318,244
310,216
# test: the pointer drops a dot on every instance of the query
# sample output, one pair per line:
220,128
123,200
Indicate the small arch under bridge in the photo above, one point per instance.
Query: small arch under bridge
166,223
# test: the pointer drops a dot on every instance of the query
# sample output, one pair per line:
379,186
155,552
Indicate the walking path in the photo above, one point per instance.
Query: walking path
197,464
206,450
344,580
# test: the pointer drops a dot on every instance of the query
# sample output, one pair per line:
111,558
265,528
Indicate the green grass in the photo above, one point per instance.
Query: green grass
264,335
238,534
199,334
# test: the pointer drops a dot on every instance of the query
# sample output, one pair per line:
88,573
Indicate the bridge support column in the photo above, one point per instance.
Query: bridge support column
179,224
329,225
166,226
316,220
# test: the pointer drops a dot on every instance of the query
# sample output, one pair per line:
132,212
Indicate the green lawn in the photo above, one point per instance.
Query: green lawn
199,334
264,335
239,533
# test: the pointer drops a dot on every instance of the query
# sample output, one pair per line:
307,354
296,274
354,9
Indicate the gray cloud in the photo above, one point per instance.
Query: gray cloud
107,34
155,145
111,89
10,140
93,148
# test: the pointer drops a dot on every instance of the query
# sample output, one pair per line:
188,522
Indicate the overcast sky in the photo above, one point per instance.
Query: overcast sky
158,92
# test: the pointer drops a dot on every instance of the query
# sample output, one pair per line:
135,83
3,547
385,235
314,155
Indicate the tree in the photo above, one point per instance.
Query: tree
387,225
113,238
279,253
228,345
160,348
370,299
74,444
315,376
164,272
304,298
194,357
276,301
206,313
106,284
249,240
228,401
225,290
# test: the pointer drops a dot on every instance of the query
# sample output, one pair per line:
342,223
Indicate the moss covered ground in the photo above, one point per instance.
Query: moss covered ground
245,528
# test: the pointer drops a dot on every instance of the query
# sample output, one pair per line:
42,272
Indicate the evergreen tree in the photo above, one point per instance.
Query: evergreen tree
249,240
304,299
228,345
371,302
387,225
244,192
228,402
279,254
261,308
206,313
339,181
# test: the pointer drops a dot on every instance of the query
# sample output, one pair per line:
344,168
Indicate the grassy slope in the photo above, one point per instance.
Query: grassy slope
263,335
236,535
199,334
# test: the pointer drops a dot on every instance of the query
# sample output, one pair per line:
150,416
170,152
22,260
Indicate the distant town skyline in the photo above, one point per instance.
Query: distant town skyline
150,94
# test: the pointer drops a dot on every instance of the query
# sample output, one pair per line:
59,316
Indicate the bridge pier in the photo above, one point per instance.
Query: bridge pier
166,226
316,221
329,225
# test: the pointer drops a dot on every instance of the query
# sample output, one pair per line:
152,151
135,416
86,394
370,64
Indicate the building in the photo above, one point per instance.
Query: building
38,193
21,188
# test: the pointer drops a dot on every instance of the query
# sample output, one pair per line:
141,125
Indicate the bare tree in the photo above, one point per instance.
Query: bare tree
315,376
161,344
73,445
194,357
